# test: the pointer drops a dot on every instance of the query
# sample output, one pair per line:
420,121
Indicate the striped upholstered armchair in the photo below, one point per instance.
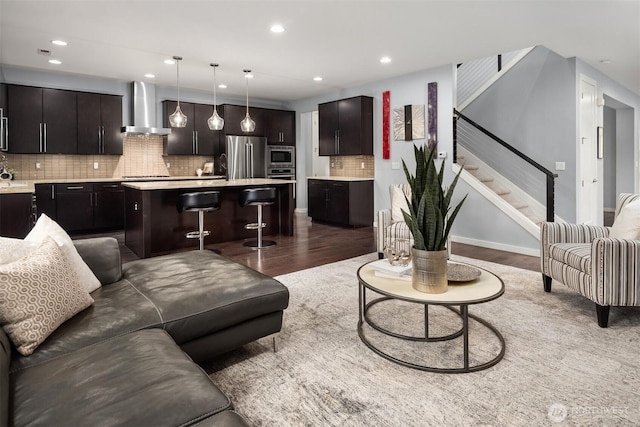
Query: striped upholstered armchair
391,225
592,261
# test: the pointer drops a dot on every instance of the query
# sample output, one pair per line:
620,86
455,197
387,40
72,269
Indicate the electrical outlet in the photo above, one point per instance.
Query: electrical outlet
168,165
395,165
333,165
362,165
96,165
38,165
560,166
442,154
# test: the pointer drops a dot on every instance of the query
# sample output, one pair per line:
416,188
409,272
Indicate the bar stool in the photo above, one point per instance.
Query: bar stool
257,197
200,202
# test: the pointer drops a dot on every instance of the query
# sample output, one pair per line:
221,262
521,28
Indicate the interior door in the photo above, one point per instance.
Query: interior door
588,172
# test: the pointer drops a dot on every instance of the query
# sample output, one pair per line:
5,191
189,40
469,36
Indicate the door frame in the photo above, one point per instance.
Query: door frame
591,183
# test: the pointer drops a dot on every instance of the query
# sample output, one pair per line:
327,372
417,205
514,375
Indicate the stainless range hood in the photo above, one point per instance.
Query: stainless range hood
143,111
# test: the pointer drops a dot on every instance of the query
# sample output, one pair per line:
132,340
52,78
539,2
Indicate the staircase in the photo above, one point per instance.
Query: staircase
519,186
527,207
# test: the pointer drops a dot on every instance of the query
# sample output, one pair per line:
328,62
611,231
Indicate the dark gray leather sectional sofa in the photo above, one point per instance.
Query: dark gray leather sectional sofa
129,358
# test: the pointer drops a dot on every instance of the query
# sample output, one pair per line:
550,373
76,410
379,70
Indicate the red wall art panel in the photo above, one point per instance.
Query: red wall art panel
386,123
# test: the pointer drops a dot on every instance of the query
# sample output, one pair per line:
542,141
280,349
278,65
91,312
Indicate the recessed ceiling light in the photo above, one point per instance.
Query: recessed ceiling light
605,61
169,61
222,86
59,42
150,76
385,60
277,28
317,79
55,62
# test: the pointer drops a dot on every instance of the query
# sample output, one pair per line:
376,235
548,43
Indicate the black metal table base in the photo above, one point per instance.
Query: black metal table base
463,312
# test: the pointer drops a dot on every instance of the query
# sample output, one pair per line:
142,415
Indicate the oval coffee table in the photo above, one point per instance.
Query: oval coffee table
486,287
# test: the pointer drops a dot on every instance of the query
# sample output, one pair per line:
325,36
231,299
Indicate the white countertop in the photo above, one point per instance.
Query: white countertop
203,183
341,178
19,186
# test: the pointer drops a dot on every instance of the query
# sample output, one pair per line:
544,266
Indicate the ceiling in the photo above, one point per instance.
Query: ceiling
342,41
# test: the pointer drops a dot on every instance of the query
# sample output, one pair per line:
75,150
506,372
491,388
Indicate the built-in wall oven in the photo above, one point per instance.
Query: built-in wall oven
281,173
280,157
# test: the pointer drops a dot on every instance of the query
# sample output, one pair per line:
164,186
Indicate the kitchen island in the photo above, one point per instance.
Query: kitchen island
153,225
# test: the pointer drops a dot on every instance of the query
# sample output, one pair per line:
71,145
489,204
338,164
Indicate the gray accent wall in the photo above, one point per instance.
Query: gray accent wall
532,107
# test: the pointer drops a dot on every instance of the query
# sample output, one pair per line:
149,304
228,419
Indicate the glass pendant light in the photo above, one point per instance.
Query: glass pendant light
178,119
215,122
247,125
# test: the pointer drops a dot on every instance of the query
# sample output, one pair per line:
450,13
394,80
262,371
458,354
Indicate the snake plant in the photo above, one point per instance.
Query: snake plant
429,219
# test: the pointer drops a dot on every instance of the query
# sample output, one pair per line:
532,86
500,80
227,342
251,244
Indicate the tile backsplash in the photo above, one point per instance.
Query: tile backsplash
353,166
142,155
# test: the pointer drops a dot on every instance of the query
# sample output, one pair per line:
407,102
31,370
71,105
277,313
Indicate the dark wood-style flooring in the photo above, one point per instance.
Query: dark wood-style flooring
315,244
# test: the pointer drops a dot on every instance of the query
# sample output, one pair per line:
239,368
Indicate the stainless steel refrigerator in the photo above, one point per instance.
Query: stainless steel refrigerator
246,157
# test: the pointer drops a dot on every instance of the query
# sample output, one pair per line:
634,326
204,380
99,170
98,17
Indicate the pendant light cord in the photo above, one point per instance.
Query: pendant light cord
247,82
178,79
214,87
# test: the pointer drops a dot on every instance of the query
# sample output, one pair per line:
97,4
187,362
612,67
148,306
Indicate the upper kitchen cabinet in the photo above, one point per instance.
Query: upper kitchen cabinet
234,114
41,120
346,127
280,127
195,138
99,123
3,118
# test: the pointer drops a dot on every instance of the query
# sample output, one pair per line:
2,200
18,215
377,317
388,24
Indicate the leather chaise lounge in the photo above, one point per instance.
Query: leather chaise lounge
129,358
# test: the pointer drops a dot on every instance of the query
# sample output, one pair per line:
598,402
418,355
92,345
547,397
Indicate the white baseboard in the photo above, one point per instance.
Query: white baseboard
609,209
497,246
301,211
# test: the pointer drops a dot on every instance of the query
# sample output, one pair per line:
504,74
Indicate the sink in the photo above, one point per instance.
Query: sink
6,184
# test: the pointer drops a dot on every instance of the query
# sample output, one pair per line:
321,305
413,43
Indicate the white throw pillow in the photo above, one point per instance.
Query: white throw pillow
44,227
38,293
398,202
14,249
627,223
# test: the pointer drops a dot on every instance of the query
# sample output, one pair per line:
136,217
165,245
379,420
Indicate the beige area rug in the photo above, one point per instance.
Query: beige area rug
559,368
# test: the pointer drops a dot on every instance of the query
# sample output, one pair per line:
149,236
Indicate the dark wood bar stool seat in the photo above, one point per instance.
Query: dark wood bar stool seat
201,202
257,197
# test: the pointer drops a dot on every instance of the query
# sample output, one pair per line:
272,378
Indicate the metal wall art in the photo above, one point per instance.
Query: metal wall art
408,123
432,114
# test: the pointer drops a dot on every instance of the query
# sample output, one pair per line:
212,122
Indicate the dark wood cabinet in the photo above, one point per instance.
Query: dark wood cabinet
99,123
196,138
41,120
108,208
46,200
82,206
346,127
280,127
3,117
234,114
24,113
74,203
16,214
341,202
